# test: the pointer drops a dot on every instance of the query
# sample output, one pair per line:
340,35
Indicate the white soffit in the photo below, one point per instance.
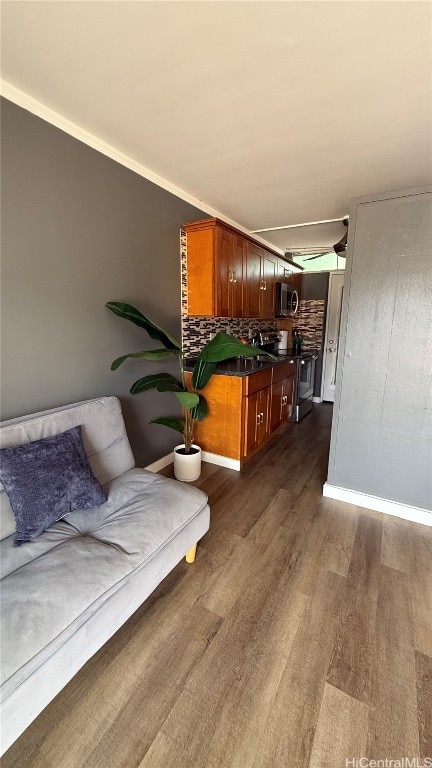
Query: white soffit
272,113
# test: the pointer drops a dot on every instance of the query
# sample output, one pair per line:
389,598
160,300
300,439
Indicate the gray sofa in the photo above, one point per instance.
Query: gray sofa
65,593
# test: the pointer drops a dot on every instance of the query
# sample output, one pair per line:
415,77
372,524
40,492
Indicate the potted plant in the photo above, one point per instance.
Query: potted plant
187,455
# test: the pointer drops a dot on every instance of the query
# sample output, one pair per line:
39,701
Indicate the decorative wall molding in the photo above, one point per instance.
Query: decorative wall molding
395,508
24,100
211,458
222,461
160,463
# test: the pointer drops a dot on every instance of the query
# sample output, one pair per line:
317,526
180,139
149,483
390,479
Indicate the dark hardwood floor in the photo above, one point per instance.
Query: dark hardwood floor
301,636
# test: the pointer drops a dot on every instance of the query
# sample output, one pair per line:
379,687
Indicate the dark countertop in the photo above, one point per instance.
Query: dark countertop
236,366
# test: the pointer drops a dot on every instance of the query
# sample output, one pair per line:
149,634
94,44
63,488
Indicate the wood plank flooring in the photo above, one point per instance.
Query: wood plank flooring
301,636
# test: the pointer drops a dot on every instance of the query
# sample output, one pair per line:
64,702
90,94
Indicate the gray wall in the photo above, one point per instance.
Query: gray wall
314,285
78,230
382,423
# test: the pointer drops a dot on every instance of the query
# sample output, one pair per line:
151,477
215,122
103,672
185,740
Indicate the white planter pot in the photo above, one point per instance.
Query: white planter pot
187,467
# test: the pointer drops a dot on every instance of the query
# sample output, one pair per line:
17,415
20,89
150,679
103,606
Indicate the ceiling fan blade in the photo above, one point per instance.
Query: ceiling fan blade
318,256
310,249
341,246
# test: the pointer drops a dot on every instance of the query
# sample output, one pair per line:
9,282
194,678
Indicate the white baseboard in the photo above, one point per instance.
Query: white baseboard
211,458
317,399
161,463
223,461
395,508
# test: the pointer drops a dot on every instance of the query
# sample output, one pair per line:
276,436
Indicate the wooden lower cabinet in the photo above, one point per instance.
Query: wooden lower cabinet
289,394
257,410
276,405
282,402
244,411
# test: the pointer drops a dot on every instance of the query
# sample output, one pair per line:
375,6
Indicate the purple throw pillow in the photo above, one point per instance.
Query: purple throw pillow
46,479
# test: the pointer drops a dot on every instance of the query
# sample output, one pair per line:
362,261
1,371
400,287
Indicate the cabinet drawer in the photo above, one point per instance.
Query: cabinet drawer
283,370
256,381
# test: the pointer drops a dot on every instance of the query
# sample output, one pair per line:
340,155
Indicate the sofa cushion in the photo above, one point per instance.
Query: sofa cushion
103,432
46,479
52,585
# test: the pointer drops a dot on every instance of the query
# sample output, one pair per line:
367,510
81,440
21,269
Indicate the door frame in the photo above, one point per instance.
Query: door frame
333,273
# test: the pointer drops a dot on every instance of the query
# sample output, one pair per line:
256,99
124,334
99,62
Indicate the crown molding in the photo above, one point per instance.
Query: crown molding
27,102
304,224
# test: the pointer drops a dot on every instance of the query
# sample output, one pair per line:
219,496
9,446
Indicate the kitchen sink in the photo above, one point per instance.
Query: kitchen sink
251,363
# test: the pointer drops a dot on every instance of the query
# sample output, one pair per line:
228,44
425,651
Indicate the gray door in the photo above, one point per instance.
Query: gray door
382,427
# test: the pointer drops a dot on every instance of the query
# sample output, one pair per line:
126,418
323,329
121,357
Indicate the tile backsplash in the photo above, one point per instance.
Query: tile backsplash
311,322
196,330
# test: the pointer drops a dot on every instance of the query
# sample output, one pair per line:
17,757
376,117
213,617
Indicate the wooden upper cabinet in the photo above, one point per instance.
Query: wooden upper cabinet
286,274
284,271
229,274
260,279
253,280
236,276
201,257
280,271
215,269
269,278
222,260
229,263
296,281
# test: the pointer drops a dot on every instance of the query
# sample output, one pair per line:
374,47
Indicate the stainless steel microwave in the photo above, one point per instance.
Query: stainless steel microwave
287,300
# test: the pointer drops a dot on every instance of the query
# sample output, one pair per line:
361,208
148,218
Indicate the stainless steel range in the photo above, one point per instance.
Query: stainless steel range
304,384
305,371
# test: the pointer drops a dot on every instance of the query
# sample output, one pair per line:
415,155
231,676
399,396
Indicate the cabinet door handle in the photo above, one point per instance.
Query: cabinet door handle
265,285
230,276
258,419
261,285
234,278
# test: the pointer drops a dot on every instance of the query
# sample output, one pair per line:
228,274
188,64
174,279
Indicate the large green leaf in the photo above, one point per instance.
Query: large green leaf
151,354
224,346
188,399
168,421
200,411
128,312
163,382
202,373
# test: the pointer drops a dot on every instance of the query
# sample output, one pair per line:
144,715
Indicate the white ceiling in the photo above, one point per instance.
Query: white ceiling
273,113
